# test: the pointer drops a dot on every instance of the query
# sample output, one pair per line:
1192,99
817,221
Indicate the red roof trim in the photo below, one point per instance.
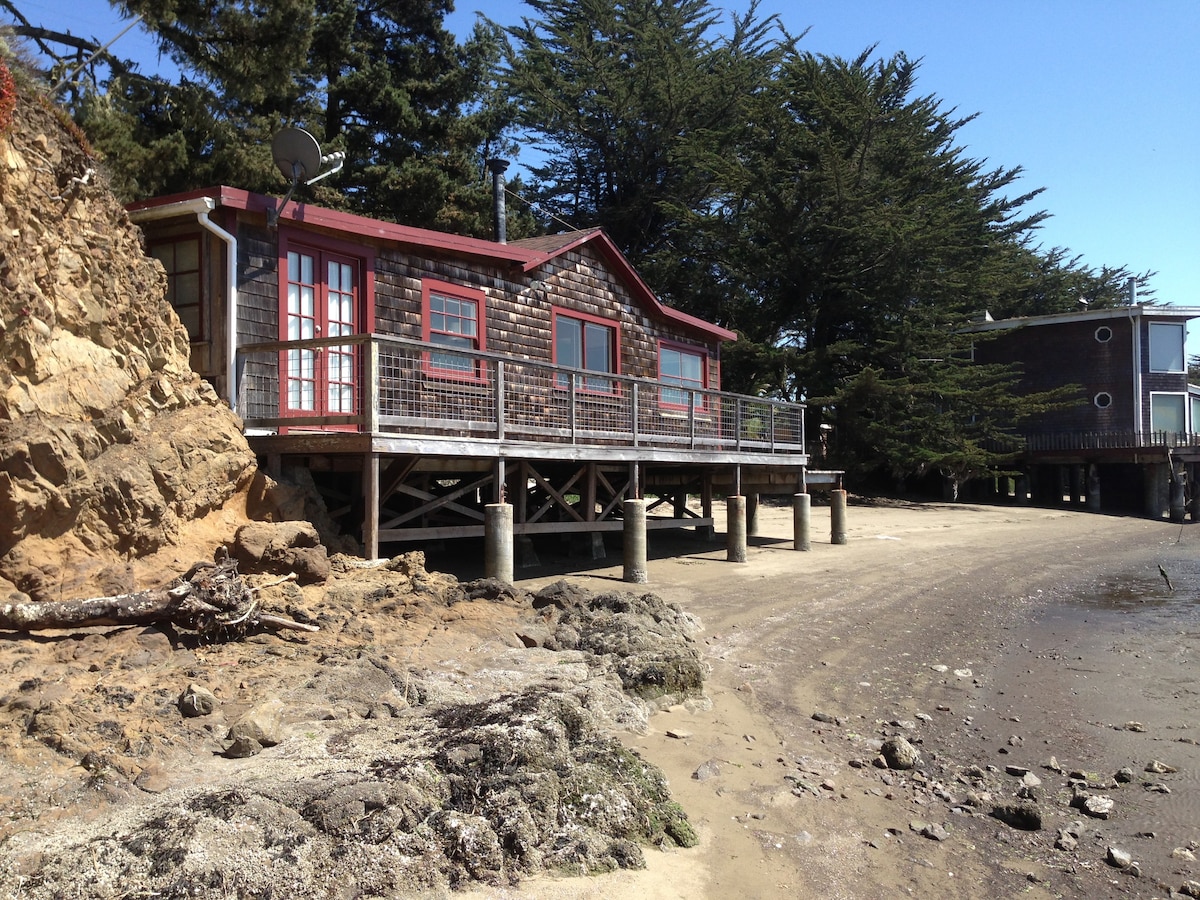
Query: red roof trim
528,258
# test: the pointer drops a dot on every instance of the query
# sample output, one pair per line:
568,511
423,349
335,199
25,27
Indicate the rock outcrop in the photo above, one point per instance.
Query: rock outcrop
110,444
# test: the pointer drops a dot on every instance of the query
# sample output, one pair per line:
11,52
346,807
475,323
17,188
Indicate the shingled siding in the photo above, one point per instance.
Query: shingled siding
1051,356
520,307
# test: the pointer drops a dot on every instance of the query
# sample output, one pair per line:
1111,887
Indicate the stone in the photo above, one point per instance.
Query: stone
1124,775
1066,841
899,753
1190,889
1022,816
263,724
281,548
196,701
1118,858
706,770
1095,805
1183,853
1156,767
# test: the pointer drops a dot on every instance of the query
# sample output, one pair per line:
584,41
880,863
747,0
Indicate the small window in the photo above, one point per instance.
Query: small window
1104,334
586,343
1103,400
181,259
684,367
454,317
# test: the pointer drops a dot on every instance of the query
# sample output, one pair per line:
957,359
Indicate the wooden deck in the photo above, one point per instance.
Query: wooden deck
430,434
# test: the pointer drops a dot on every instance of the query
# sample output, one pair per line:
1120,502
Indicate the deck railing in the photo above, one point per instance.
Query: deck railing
1073,441
382,384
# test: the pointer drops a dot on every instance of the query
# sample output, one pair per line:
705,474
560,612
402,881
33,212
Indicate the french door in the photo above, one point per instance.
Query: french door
321,300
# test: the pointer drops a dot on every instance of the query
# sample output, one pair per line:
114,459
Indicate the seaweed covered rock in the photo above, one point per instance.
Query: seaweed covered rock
649,641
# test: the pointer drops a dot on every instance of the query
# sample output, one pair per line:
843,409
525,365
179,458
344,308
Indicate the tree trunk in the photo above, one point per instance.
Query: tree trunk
210,598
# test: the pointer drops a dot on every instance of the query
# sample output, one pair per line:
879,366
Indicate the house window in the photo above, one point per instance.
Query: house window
1103,400
322,299
1166,347
1104,334
586,342
1168,413
685,367
454,317
181,259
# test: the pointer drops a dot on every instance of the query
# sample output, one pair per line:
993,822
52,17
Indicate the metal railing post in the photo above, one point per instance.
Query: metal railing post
499,399
737,422
691,395
571,408
772,407
634,412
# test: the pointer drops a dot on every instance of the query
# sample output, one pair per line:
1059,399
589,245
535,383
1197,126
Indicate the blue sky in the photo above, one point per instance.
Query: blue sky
1098,102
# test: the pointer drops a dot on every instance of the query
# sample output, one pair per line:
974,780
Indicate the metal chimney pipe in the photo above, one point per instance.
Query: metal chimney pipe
499,214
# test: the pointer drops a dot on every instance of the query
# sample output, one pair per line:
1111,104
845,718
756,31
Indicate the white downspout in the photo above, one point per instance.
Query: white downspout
1136,326
200,208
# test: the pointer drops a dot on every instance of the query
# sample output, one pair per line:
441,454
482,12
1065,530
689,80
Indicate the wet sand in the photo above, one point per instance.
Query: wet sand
989,637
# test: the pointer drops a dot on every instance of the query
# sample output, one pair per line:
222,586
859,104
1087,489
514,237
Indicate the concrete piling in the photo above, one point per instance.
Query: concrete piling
498,542
837,517
801,520
634,543
735,513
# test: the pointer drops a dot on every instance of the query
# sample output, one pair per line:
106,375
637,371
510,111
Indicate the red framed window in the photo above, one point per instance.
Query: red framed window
590,343
454,316
686,367
323,294
181,259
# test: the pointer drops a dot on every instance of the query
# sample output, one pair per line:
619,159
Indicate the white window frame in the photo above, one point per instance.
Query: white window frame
1176,348
1180,395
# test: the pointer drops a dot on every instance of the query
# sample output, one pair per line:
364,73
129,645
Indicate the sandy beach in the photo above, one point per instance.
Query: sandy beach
989,637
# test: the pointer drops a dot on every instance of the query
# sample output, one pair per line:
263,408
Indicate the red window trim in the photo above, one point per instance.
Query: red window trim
611,324
290,238
363,257
458,292
692,350
202,301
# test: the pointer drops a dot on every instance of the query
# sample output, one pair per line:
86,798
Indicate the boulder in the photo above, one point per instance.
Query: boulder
281,548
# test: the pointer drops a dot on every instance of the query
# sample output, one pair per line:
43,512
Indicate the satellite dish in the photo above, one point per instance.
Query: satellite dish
299,158
297,154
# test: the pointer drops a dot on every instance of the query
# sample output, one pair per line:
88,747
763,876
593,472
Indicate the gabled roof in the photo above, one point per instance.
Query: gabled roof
529,254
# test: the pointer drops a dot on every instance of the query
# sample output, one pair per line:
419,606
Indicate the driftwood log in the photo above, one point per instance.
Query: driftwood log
211,599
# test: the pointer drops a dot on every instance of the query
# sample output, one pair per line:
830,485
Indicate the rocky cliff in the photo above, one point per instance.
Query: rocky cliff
111,448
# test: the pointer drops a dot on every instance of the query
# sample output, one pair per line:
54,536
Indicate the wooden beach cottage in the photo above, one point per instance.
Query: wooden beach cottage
421,376
1131,441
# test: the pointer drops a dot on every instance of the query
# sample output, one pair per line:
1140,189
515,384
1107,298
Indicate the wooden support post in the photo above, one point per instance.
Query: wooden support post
634,543
370,399
370,485
1093,487
1178,501
706,506
837,516
735,534
801,521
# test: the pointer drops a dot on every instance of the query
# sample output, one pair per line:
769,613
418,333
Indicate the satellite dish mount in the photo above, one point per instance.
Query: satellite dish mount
299,158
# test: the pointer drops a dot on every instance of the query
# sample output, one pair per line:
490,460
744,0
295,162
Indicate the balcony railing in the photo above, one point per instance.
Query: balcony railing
388,385
1072,441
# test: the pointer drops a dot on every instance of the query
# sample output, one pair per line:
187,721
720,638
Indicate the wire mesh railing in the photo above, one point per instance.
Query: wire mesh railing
411,387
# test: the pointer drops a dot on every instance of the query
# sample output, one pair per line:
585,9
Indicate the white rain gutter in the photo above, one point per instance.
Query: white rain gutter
1136,327
200,207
